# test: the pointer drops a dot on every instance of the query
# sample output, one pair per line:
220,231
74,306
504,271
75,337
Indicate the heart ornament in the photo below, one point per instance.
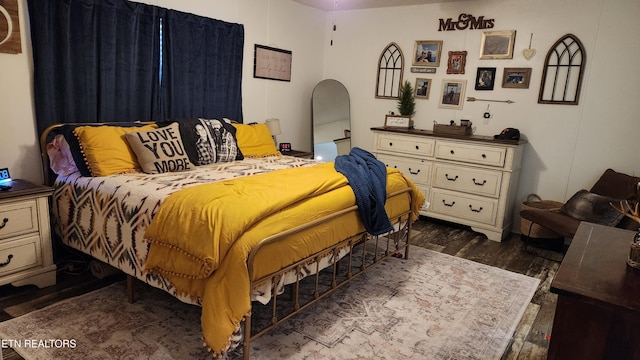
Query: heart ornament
529,53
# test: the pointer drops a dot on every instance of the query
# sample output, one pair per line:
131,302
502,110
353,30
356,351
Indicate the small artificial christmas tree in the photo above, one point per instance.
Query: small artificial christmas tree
406,102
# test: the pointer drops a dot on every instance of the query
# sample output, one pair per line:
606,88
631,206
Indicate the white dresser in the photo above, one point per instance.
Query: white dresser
25,237
470,180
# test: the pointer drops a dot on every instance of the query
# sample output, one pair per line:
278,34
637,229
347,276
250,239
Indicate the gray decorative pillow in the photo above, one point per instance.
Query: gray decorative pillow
594,208
159,150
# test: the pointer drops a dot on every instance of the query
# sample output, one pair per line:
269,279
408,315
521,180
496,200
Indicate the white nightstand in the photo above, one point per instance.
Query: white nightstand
26,255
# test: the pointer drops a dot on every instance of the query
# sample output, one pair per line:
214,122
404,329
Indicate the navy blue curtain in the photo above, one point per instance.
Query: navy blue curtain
94,61
195,46
99,61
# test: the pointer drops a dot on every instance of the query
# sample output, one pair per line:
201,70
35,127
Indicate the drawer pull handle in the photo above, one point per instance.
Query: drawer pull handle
4,223
474,210
451,178
479,183
390,144
449,205
7,262
414,172
417,147
484,156
452,152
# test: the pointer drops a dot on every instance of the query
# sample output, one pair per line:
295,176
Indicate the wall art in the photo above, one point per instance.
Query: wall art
9,27
485,78
271,63
422,89
427,53
516,78
452,94
497,44
457,61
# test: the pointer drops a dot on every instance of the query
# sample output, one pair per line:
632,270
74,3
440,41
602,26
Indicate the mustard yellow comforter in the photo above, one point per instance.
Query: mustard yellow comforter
201,237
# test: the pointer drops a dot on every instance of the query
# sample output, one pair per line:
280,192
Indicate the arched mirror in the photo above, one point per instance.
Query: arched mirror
331,119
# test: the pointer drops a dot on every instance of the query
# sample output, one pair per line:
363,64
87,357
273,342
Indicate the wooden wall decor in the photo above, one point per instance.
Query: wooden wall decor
9,27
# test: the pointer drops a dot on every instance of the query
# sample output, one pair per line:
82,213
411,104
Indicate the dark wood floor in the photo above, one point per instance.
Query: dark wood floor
530,341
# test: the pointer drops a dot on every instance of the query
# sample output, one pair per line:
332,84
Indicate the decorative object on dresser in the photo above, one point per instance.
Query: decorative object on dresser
26,255
469,180
451,129
406,102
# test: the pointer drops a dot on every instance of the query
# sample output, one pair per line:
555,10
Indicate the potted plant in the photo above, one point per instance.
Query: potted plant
406,102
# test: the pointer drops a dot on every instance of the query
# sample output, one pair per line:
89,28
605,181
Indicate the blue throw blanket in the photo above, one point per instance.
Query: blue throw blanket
367,177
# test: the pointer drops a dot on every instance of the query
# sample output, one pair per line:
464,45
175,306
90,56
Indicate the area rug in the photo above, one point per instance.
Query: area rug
431,306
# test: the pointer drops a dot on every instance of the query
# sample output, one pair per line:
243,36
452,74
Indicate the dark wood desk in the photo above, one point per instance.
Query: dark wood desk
598,310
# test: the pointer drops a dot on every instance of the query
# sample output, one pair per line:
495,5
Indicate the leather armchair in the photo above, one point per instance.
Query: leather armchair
612,185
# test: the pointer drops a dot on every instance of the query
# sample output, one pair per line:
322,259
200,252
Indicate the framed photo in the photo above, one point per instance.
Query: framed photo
427,53
497,44
485,78
397,121
452,94
271,63
457,61
516,78
422,89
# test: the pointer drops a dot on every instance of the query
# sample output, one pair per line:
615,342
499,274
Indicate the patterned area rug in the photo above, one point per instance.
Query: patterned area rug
432,306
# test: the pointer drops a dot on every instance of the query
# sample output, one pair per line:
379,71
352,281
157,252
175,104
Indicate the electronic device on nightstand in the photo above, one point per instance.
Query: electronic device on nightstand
285,147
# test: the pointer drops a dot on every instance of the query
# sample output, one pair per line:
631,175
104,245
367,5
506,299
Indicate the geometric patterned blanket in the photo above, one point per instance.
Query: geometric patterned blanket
106,217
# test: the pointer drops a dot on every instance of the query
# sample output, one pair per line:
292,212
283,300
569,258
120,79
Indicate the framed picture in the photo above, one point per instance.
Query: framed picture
516,78
457,61
271,63
452,94
497,44
485,78
422,89
427,53
397,121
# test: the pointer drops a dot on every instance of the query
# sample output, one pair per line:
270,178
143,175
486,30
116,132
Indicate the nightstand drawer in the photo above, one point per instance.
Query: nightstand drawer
21,254
18,218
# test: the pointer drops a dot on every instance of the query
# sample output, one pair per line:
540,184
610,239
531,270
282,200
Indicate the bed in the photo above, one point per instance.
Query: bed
143,197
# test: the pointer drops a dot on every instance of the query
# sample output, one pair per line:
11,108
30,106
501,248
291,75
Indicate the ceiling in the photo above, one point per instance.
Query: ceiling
330,5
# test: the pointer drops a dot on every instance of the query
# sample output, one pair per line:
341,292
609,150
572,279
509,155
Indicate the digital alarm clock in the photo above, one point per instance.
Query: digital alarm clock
284,147
4,175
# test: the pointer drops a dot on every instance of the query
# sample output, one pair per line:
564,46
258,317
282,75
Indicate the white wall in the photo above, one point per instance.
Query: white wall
569,146
277,23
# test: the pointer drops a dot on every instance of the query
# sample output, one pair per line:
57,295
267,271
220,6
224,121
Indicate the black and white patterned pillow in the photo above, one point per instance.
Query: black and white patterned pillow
208,141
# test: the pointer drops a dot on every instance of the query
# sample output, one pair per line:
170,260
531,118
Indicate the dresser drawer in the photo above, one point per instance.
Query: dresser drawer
418,146
21,254
465,206
474,154
467,179
18,218
419,171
